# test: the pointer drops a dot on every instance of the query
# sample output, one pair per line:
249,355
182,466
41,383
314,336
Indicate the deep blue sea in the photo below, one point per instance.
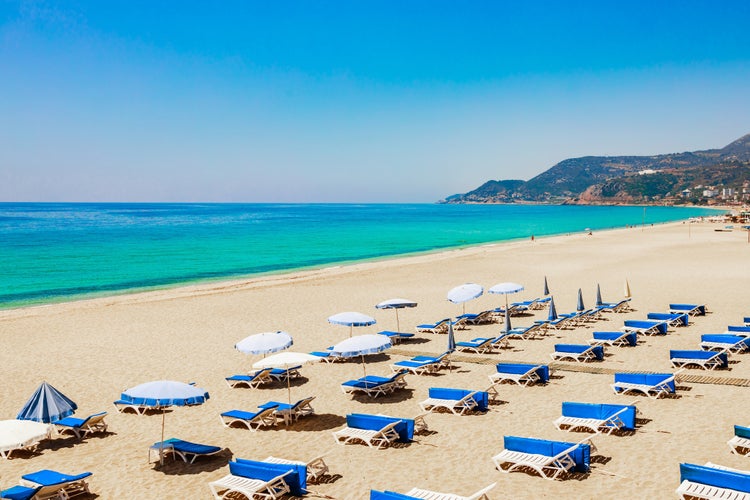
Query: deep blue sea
52,252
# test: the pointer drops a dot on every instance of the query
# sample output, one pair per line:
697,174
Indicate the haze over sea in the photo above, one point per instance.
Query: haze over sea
54,252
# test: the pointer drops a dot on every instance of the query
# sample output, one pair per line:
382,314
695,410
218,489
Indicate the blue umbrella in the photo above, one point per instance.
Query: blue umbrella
580,307
598,295
162,394
351,319
361,345
396,304
546,288
47,405
464,293
552,310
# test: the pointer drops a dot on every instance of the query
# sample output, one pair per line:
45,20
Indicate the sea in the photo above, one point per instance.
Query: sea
54,252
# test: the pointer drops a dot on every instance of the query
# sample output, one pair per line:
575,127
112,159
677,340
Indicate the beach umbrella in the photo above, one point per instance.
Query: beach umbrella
506,289
464,293
508,328
396,304
361,345
451,338
47,405
546,288
264,343
351,319
286,360
579,306
163,394
17,434
552,310
598,295
627,289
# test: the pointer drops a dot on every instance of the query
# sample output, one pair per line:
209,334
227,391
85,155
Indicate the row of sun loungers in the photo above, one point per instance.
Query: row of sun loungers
268,414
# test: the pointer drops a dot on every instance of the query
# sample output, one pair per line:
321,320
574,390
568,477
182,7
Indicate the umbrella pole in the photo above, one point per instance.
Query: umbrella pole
161,443
398,326
288,387
364,368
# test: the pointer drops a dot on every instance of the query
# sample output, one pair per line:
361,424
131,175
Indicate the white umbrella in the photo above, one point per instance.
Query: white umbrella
17,434
351,319
396,304
264,343
361,345
162,394
286,360
464,293
505,289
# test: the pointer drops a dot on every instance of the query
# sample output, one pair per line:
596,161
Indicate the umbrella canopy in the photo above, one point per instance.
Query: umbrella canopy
552,310
464,293
505,289
361,345
286,360
579,306
396,304
546,288
47,405
598,295
161,394
351,319
264,343
15,434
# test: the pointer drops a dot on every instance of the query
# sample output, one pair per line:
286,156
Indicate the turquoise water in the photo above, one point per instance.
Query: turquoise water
53,252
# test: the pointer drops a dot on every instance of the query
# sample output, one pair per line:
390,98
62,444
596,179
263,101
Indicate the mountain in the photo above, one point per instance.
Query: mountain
624,179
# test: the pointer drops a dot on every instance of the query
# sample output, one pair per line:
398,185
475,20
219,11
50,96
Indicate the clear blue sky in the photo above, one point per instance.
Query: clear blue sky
352,101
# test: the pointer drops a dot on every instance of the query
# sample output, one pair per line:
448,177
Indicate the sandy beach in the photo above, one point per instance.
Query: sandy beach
92,350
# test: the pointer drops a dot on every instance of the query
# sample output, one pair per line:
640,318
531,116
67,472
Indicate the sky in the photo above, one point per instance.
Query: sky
341,101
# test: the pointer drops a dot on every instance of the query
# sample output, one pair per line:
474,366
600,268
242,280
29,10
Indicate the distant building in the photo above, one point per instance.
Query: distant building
727,193
710,193
685,193
647,171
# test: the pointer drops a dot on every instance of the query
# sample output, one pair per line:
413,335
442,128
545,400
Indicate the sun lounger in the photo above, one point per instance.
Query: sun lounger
707,360
260,480
615,339
514,309
520,373
616,307
725,342
746,320
291,412
264,417
481,318
418,493
48,484
691,309
281,374
123,406
739,330
374,385
548,458
674,319
253,380
578,353
185,450
740,441
328,355
596,417
562,322
526,332
375,431
396,337
81,427
316,468
420,365
442,326
653,385
646,327
713,482
483,345
457,401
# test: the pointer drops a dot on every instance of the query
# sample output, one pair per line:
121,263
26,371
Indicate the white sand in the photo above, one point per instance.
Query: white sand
92,350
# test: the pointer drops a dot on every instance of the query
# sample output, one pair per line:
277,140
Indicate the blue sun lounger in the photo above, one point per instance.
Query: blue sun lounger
396,337
707,360
457,401
420,365
185,450
653,385
691,309
578,353
48,484
374,385
253,380
710,481
739,330
81,427
328,355
252,478
615,339
436,327
418,493
480,318
617,307
375,430
596,417
548,458
725,342
746,320
646,327
674,319
740,440
520,373
483,344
